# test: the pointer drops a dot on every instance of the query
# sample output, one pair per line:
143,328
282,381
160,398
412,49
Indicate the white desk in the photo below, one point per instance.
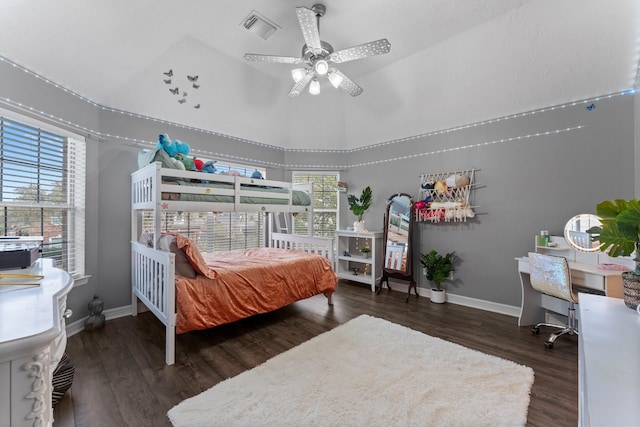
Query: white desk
609,354
584,272
32,341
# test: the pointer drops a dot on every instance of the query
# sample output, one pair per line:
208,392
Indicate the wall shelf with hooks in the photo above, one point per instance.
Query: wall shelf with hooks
446,196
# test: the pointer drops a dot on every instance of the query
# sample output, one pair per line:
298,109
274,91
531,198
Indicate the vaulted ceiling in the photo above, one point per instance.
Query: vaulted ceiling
451,62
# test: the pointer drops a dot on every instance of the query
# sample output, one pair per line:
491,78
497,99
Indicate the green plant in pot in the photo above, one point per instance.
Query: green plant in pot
437,268
619,235
359,206
366,251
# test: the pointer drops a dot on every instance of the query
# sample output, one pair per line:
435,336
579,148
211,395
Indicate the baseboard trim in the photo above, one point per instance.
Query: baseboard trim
509,310
494,307
113,313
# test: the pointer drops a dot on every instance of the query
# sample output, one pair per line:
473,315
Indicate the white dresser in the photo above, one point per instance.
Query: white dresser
608,363
32,341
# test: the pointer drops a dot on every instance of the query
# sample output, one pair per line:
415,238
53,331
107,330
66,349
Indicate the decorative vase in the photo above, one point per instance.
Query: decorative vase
631,289
359,227
438,296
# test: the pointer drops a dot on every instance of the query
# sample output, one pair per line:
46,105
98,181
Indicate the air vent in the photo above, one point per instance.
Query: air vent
259,25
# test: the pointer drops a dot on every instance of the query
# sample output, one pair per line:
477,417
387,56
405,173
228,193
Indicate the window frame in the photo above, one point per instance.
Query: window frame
74,163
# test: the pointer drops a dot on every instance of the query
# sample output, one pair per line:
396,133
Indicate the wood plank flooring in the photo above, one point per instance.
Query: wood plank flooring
121,378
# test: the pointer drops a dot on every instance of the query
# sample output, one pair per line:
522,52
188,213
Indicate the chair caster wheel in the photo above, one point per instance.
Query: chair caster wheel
535,331
548,344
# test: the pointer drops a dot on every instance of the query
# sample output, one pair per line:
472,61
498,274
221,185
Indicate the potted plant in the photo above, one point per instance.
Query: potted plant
437,268
366,251
359,206
619,234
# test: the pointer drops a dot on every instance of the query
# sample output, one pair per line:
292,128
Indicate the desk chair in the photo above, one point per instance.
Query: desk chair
550,275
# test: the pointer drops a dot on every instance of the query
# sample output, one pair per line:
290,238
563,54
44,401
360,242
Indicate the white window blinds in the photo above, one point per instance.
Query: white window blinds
325,203
42,191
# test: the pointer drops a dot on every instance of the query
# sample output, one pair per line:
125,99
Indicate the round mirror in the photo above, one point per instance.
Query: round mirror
577,235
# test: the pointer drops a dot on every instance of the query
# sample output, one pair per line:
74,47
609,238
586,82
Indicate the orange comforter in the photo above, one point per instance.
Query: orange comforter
248,282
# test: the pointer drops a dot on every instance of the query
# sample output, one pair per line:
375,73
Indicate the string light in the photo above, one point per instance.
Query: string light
140,142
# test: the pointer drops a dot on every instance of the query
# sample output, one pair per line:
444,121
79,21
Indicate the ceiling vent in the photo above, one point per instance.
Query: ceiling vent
259,25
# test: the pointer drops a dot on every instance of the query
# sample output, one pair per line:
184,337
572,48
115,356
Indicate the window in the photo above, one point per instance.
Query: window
217,231
42,190
325,203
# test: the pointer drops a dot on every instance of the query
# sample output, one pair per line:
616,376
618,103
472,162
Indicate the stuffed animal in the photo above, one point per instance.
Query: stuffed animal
165,143
256,174
177,163
198,164
186,161
208,166
182,147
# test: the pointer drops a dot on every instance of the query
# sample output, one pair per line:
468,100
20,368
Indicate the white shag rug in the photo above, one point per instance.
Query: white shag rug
368,372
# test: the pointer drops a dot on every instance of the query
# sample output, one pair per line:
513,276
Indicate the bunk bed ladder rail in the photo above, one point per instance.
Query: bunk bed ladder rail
152,279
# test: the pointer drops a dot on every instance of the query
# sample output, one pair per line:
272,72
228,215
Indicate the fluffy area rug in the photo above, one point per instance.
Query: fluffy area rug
368,372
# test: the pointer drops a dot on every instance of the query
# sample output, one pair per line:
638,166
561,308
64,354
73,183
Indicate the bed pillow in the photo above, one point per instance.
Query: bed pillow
193,255
167,242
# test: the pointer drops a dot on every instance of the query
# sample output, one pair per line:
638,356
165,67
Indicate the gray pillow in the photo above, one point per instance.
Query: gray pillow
183,267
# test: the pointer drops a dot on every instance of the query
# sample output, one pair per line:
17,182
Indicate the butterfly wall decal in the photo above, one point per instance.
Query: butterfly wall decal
195,86
167,82
197,106
169,73
184,93
192,78
174,91
591,107
182,101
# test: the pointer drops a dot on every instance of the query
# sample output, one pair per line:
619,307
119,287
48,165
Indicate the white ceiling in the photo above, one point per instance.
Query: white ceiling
451,62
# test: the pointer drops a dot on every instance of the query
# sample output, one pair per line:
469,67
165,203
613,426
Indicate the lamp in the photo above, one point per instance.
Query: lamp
298,74
321,66
334,78
314,87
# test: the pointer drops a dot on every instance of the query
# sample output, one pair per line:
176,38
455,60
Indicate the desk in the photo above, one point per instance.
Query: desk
586,275
608,355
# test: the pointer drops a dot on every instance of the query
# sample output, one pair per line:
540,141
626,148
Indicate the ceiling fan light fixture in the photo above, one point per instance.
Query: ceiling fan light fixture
334,78
314,87
298,74
321,66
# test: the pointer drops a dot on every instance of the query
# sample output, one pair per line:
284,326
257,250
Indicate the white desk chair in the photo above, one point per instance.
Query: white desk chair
550,275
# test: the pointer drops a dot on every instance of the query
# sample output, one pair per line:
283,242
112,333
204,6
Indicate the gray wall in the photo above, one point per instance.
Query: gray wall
526,182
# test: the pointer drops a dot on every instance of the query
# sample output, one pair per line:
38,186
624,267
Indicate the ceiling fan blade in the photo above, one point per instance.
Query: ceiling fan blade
272,58
377,47
349,85
309,27
299,86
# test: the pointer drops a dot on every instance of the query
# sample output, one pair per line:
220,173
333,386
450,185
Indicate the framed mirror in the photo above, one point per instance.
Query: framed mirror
398,241
576,232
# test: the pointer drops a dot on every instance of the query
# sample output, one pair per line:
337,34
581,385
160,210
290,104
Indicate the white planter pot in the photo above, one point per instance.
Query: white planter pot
438,296
359,227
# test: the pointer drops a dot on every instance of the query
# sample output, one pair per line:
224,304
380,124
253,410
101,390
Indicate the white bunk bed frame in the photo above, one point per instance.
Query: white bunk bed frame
153,270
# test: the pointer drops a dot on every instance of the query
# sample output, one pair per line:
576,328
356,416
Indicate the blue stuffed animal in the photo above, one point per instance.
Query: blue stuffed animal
208,166
172,147
165,143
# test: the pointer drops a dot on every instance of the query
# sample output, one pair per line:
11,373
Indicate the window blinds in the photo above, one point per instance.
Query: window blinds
42,191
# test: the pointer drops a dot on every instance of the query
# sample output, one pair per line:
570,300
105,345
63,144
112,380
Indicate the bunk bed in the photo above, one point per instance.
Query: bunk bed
227,286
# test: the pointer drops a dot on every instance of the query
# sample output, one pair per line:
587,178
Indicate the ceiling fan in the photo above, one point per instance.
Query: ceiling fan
319,58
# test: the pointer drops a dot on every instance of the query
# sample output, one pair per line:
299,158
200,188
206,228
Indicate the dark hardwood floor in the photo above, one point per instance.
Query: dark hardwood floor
121,378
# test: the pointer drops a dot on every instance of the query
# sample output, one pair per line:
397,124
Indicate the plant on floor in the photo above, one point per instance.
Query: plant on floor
437,267
619,233
360,205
